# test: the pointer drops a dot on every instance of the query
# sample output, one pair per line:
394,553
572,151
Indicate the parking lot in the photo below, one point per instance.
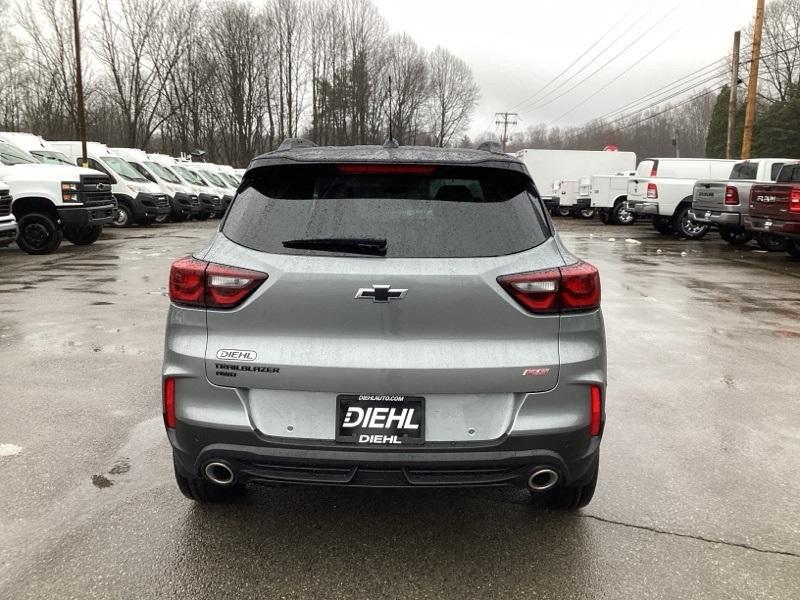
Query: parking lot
698,483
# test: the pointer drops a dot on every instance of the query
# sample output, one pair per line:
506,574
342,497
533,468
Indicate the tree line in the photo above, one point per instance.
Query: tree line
229,76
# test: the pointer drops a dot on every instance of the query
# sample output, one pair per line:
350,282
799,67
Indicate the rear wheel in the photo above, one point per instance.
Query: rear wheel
586,213
603,213
792,246
769,242
204,491
564,211
688,227
570,497
38,234
621,215
663,225
735,237
83,236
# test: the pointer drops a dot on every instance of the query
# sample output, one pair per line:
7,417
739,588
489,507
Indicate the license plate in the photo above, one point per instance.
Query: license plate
380,420
708,214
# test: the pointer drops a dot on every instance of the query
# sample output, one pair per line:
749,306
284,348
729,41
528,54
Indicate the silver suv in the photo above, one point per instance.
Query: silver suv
381,316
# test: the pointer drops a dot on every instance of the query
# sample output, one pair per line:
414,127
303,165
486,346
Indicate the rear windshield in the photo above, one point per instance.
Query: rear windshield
744,170
789,174
430,213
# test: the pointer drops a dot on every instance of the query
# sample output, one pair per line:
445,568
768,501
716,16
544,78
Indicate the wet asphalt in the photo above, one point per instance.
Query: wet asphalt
699,493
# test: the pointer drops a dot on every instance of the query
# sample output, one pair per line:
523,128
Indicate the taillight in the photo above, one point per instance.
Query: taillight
652,191
202,284
168,402
380,169
731,195
595,409
565,289
794,200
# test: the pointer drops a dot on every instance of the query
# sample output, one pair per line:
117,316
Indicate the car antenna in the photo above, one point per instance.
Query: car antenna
390,141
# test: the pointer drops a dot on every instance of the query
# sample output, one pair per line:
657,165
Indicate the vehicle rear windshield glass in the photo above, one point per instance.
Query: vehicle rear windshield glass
776,169
444,212
789,174
744,170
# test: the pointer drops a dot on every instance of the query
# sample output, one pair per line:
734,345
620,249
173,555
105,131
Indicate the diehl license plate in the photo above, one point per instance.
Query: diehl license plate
367,419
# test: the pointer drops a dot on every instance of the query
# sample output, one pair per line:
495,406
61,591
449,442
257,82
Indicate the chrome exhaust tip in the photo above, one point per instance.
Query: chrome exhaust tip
542,479
219,473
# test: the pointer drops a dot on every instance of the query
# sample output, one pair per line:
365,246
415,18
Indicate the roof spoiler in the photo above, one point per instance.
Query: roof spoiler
296,142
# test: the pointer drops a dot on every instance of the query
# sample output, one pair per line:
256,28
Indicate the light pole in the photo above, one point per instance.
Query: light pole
79,84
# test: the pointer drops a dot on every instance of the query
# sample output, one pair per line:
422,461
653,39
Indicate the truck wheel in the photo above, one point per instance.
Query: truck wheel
663,225
204,491
178,217
161,218
620,215
83,236
586,213
769,242
124,216
563,211
688,228
792,246
735,237
38,234
603,214
570,497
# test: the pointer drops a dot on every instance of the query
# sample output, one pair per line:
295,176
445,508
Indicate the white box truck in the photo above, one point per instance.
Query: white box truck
138,200
551,168
53,201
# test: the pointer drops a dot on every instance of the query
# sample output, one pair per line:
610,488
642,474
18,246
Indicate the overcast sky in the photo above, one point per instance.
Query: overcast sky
516,46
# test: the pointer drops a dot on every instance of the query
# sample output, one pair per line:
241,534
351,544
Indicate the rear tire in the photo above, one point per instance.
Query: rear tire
688,228
566,497
769,242
792,246
83,236
586,213
604,217
563,211
736,237
663,225
620,215
38,234
205,492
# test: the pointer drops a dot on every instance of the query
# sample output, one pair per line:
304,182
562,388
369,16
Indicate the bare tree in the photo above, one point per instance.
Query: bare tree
453,95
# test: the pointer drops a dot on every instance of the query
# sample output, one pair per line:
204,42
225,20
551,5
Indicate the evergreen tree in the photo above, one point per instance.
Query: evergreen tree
777,130
717,136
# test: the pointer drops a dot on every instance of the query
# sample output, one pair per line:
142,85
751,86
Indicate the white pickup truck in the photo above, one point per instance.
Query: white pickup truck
663,189
725,203
53,201
8,224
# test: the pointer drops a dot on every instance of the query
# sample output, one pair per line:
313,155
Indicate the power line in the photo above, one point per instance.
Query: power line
604,65
694,77
669,108
621,73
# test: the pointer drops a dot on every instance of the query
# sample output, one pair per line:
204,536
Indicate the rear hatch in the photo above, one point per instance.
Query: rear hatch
709,195
637,186
774,201
411,307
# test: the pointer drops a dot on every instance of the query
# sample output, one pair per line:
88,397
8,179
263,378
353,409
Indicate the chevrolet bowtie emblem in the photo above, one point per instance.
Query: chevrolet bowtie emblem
381,293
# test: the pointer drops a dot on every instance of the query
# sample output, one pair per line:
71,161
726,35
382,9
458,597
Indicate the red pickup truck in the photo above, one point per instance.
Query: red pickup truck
775,208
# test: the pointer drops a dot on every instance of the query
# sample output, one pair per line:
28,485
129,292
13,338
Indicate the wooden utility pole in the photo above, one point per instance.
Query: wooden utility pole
752,86
79,84
505,119
734,89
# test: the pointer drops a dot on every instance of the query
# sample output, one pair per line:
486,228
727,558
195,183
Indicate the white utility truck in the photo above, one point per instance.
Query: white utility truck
552,168
53,201
609,194
663,189
138,200
184,203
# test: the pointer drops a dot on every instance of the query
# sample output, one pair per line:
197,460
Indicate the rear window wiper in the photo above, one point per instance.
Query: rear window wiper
372,246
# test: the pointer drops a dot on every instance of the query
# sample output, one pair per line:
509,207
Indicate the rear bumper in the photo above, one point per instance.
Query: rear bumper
643,208
8,232
506,462
715,217
774,226
81,216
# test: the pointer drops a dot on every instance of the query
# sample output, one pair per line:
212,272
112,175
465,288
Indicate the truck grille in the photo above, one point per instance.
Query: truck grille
95,190
194,200
160,200
5,203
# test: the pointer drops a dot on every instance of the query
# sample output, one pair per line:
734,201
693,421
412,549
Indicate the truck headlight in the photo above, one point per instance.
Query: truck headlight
69,191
